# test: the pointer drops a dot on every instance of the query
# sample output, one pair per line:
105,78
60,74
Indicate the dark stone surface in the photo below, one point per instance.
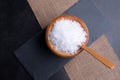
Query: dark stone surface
38,59
18,24
60,75
111,10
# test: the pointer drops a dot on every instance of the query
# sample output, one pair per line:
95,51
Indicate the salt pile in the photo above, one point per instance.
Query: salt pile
67,36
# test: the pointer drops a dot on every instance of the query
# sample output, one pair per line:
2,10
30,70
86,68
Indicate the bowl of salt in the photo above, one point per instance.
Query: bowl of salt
66,34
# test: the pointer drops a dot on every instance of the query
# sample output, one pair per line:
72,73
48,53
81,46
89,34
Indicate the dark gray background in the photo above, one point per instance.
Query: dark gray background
18,24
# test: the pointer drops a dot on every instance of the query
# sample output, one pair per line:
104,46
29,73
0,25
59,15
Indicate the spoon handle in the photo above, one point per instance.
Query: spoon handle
99,57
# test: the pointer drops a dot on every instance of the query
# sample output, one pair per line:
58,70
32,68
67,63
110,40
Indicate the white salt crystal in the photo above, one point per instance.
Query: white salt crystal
67,36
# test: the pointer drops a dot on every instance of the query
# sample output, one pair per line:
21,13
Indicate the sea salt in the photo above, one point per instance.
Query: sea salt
67,36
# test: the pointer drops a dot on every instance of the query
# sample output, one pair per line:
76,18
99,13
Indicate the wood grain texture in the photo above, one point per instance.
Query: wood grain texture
47,10
86,67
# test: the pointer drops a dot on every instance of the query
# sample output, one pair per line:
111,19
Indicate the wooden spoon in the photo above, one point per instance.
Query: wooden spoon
99,57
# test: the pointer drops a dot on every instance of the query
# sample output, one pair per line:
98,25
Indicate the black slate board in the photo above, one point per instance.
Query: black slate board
36,57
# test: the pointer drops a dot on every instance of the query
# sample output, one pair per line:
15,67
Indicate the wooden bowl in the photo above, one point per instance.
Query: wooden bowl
50,44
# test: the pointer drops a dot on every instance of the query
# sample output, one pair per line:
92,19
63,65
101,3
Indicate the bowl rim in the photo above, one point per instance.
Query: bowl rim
50,44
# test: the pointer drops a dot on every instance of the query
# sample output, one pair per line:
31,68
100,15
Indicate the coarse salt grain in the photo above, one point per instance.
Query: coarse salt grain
67,36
